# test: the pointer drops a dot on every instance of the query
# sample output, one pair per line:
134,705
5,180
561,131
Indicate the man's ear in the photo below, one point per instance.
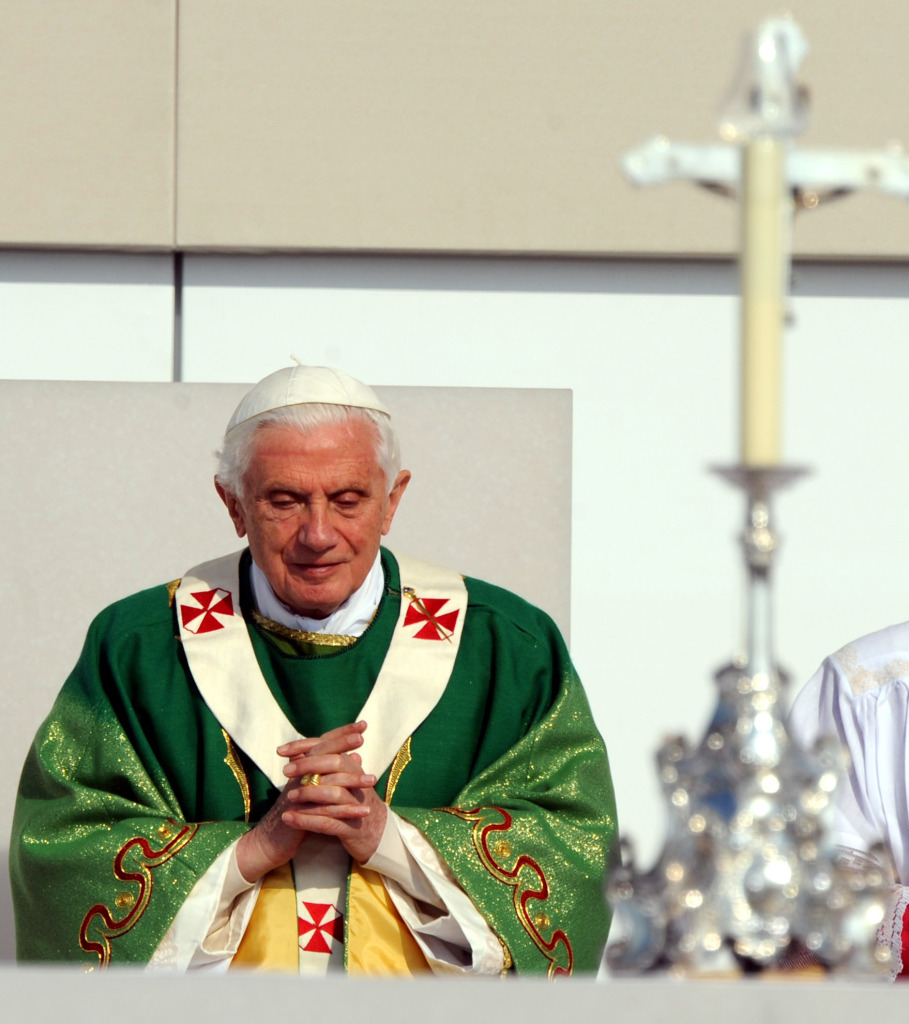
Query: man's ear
394,498
234,508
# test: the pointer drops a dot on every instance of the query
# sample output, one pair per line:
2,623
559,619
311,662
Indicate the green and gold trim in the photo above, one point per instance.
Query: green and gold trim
134,863
527,879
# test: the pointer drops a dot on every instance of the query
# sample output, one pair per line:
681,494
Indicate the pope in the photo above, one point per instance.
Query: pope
314,755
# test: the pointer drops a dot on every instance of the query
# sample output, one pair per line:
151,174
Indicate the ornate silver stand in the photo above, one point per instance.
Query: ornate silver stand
747,879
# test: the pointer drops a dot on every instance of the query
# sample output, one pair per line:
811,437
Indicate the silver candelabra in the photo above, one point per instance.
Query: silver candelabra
748,879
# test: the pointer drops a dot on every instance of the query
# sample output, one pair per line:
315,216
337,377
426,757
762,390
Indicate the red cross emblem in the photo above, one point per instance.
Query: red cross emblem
212,603
320,931
426,610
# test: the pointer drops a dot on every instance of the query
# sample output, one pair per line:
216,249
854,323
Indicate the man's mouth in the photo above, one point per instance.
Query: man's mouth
315,571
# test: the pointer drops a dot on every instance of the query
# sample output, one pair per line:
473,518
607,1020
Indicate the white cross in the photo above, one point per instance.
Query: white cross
758,164
776,107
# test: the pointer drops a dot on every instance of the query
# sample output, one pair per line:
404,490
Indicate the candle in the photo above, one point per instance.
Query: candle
763,271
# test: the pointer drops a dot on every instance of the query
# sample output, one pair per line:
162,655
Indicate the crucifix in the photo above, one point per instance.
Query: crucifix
758,164
748,876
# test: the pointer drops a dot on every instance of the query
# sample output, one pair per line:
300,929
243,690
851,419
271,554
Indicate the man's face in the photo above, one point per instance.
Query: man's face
315,508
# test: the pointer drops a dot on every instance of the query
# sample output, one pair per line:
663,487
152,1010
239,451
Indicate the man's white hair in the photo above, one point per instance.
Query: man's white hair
238,447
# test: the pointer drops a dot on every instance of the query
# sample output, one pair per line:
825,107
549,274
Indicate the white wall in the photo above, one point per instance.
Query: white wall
86,316
649,350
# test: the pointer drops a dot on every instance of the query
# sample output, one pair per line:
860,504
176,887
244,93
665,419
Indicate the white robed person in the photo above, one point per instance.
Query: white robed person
860,695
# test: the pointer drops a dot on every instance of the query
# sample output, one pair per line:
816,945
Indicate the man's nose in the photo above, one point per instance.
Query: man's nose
316,531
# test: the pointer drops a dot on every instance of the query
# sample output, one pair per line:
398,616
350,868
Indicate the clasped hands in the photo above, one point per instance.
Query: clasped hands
344,804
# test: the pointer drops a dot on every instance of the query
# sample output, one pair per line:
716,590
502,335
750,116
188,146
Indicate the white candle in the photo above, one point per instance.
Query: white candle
763,269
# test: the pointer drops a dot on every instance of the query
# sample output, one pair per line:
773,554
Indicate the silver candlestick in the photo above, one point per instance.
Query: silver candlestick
748,879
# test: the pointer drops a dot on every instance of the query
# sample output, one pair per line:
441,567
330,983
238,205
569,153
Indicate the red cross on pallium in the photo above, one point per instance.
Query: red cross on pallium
211,604
322,931
438,627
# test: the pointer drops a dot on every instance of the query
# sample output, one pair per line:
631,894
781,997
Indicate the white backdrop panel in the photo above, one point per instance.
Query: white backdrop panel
86,316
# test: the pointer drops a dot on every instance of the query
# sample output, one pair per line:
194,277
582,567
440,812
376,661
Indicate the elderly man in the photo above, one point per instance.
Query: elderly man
312,754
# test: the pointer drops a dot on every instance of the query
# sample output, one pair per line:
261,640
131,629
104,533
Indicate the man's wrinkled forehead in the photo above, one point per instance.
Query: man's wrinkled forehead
347,446
304,385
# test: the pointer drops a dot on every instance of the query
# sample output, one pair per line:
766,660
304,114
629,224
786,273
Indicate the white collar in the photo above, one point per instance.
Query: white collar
351,619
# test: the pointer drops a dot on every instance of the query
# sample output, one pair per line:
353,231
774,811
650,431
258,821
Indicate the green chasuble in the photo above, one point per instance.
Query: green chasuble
132,788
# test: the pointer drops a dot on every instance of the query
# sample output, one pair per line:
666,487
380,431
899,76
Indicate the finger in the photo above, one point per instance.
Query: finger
326,764
317,746
331,805
298,748
335,741
341,780
329,791
341,741
330,819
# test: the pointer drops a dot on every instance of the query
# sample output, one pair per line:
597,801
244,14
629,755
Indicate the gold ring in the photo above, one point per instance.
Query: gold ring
310,779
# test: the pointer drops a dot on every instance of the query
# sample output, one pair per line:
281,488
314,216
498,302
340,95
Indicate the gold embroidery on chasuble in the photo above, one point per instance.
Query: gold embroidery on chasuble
507,962
527,879
172,589
232,760
401,761
134,863
300,637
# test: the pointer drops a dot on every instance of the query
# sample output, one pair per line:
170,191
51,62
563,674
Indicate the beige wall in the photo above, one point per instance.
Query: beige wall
87,122
479,126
